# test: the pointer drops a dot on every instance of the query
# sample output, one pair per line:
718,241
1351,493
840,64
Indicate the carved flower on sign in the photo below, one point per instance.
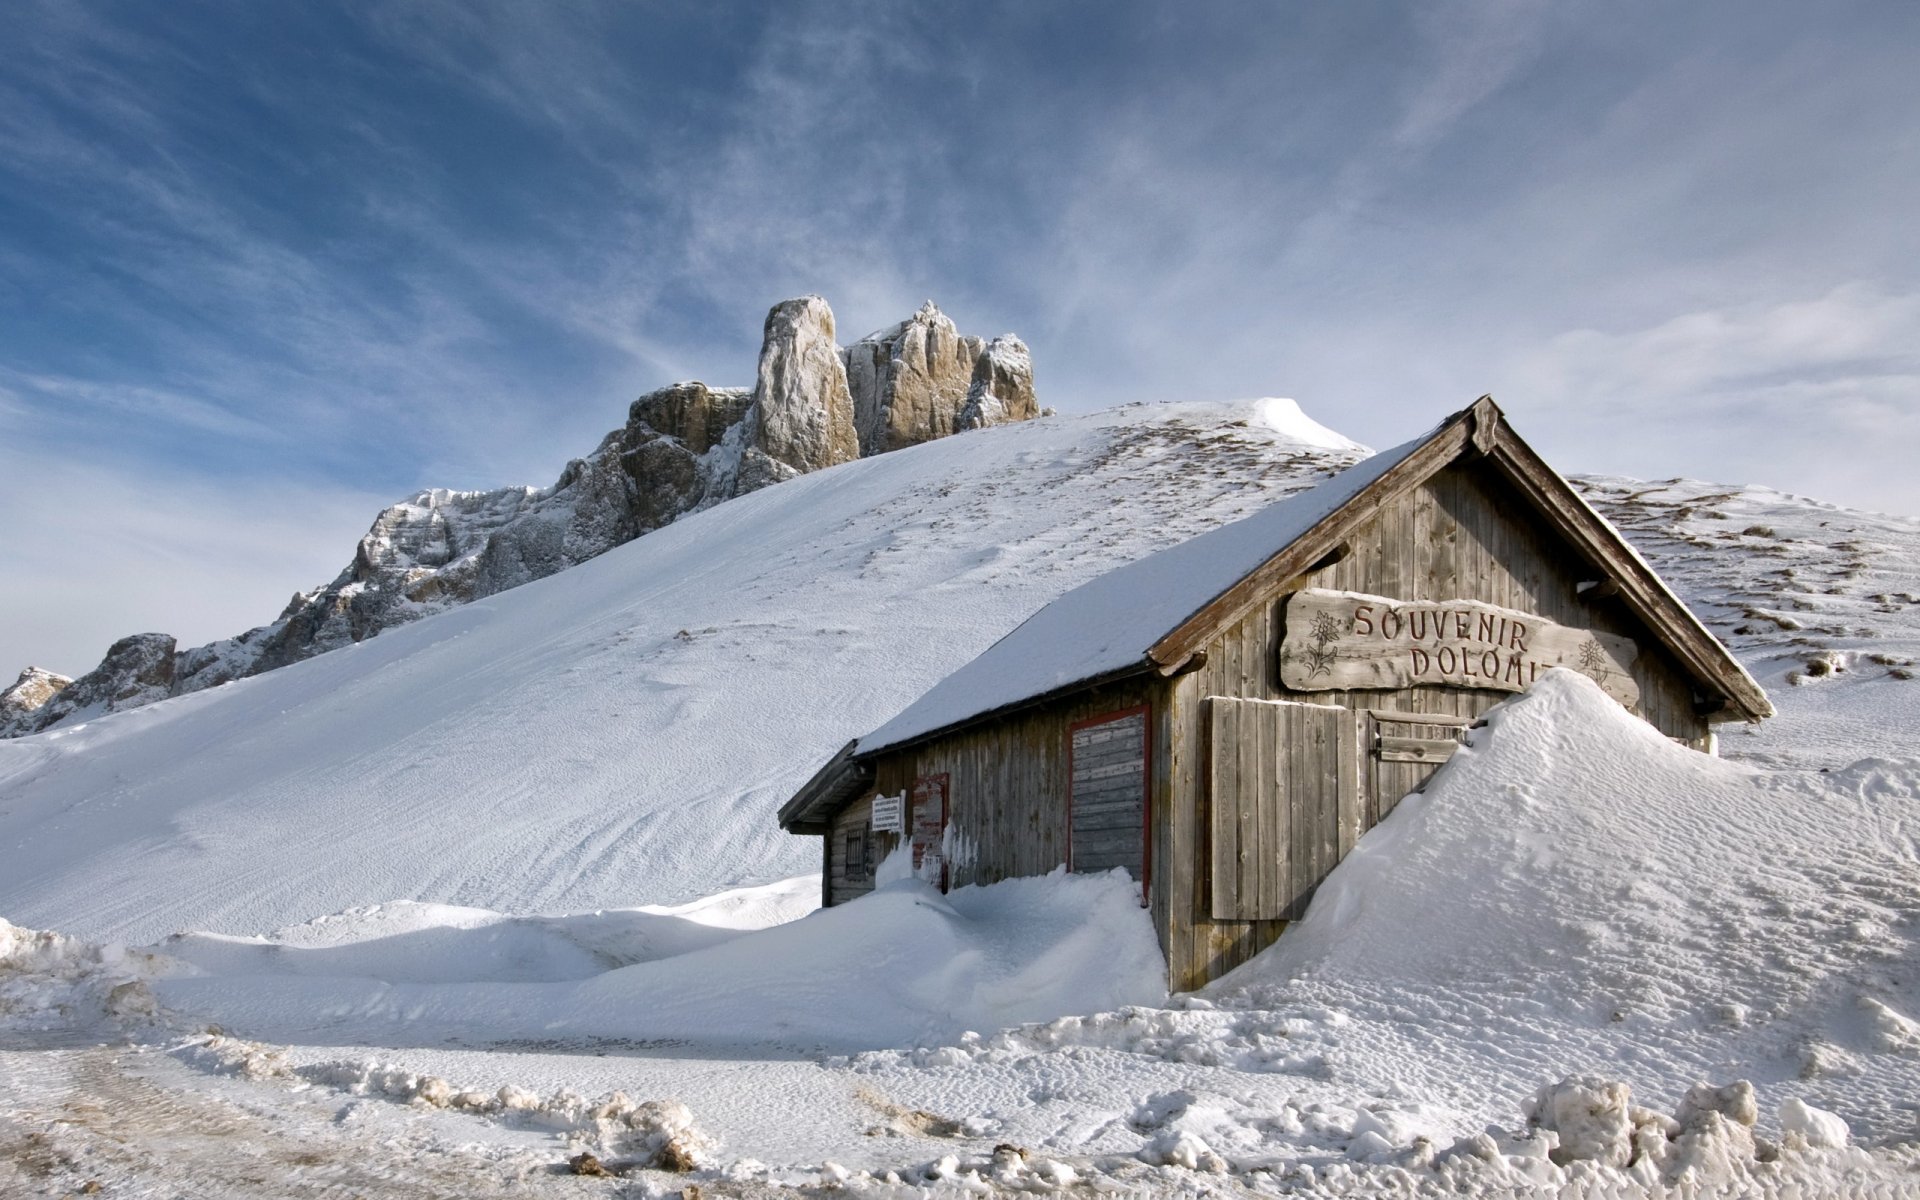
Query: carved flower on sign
1320,639
1593,660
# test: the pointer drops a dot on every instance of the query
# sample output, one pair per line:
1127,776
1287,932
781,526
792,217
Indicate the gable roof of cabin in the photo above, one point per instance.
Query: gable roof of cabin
1154,614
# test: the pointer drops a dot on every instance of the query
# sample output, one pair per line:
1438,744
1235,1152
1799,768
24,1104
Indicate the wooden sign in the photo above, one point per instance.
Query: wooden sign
890,813
1341,640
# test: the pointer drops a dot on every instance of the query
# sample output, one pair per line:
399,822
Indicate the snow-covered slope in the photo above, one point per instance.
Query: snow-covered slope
683,448
623,732
1821,603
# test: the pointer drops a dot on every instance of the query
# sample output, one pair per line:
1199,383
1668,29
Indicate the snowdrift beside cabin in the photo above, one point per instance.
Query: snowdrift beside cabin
409,942
1574,893
901,967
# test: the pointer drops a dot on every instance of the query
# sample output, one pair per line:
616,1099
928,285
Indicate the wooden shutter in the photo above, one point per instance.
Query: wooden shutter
1107,794
1404,750
1284,803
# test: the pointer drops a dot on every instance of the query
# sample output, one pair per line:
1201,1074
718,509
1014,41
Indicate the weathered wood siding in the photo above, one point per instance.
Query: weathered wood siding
840,885
1459,536
1007,809
1400,753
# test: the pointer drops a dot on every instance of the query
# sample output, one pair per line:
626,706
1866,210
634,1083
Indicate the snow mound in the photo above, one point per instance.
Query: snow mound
51,981
902,966
1573,892
409,942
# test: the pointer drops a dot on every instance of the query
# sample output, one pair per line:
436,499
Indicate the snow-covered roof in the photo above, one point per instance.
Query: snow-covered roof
1106,625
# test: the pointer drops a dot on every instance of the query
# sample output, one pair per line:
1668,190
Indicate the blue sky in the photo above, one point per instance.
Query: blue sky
265,267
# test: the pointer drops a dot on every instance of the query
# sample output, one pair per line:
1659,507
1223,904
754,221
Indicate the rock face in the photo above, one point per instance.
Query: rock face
28,694
1002,386
801,418
683,448
923,379
137,670
910,382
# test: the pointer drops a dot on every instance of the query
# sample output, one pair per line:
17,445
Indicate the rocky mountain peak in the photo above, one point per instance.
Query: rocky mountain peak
684,447
801,417
29,693
910,382
1002,386
137,670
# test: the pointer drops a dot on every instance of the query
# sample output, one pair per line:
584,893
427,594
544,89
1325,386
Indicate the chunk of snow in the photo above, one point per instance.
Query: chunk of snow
1590,1116
1814,1128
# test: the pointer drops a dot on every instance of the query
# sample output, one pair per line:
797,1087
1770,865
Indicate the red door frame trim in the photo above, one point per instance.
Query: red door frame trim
945,780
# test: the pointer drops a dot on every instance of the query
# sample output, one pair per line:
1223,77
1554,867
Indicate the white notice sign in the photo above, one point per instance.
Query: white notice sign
1340,640
890,814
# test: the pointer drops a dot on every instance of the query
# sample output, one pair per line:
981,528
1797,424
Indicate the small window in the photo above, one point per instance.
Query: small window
855,855
1107,781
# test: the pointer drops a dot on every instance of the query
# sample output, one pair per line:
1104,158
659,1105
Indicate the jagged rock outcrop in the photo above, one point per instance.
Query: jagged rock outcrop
684,447
801,418
910,382
137,670
20,703
1002,386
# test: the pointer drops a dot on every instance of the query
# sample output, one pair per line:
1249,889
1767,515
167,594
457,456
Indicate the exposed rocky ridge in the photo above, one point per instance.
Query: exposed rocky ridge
683,448
922,379
29,692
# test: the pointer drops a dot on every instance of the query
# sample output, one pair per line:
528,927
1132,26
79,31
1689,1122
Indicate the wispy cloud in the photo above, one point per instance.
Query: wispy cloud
1825,389
129,403
93,553
1856,331
1471,52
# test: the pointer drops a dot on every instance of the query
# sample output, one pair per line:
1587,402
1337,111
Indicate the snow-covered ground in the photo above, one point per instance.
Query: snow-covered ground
1572,897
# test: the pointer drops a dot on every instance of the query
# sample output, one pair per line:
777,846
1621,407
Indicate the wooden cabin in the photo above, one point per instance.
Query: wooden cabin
1226,717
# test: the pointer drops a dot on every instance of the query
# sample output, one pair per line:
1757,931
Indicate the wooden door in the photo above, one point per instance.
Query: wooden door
1403,751
1284,803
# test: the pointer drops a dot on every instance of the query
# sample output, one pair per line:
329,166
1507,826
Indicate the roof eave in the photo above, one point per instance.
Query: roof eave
1707,659
839,780
1145,666
1297,557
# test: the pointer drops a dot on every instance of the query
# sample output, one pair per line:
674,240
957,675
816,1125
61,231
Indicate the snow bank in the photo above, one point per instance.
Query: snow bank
901,966
650,1133
51,981
1575,893
1285,416
408,942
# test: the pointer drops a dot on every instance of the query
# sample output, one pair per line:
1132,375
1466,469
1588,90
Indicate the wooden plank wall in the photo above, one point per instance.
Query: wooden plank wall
1007,797
1458,536
840,886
